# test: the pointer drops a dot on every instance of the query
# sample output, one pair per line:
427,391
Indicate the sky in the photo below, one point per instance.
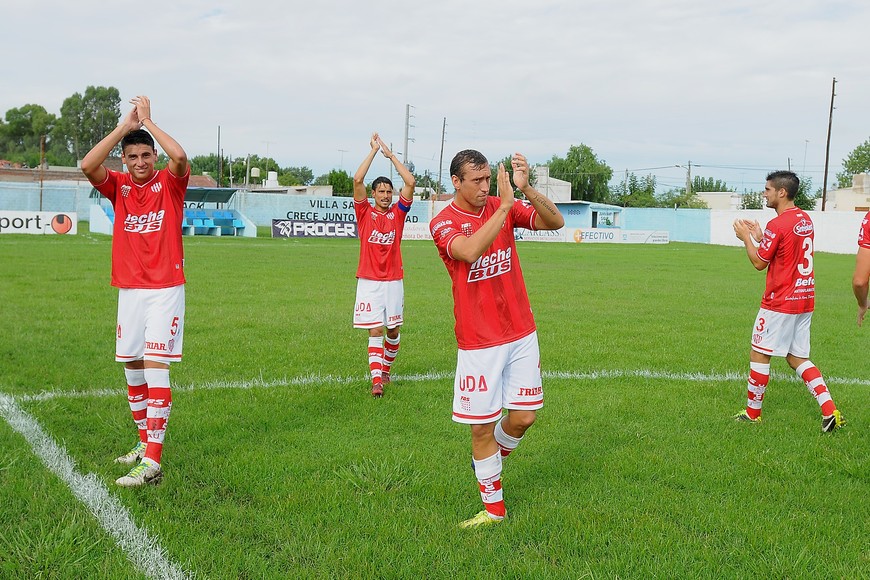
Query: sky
737,88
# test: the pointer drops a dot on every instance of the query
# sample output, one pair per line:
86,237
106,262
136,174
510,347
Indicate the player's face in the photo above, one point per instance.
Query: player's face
383,196
140,160
473,188
771,195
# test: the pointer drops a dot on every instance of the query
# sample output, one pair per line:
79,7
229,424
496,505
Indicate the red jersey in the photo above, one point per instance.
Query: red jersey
864,232
490,302
380,233
146,238
787,247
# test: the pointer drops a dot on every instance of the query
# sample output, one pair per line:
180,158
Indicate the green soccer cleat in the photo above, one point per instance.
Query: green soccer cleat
744,417
133,456
482,518
140,475
832,422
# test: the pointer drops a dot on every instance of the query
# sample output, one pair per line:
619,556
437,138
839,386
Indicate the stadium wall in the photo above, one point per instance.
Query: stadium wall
836,231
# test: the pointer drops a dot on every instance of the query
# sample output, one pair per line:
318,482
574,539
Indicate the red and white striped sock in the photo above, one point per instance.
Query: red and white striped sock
812,377
137,395
506,443
488,473
391,349
376,358
159,406
759,376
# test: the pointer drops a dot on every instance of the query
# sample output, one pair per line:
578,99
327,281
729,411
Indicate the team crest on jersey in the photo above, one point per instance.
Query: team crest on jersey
125,190
145,223
803,228
466,230
157,187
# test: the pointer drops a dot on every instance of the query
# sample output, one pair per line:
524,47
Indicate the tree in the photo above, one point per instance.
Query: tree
340,180
709,184
858,161
803,198
295,176
678,197
752,200
86,119
587,174
635,192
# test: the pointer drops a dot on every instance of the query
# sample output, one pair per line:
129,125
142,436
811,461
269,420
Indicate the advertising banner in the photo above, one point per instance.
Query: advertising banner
38,222
312,229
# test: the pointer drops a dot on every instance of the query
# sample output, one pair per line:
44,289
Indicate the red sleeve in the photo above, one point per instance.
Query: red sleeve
523,214
108,188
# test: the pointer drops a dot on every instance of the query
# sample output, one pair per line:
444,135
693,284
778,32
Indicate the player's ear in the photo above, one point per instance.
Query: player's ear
456,181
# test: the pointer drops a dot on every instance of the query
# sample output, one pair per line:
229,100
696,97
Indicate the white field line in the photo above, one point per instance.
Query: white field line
141,549
319,379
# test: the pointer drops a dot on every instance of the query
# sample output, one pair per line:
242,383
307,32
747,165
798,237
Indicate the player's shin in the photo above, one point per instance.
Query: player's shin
391,349
812,378
376,358
159,407
137,396
488,473
759,376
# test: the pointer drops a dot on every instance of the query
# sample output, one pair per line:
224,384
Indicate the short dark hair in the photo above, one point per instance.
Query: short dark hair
137,137
381,180
467,158
786,180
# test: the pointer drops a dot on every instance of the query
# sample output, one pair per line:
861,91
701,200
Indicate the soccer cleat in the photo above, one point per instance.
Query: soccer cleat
385,378
377,391
482,518
140,475
832,422
744,417
135,455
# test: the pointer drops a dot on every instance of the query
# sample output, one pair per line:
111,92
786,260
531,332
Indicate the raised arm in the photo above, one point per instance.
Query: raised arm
178,164
861,281
92,163
549,217
469,249
407,176
743,231
359,185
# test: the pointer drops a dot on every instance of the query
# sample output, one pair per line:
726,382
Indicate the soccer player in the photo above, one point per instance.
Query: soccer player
861,277
498,364
782,327
380,293
148,270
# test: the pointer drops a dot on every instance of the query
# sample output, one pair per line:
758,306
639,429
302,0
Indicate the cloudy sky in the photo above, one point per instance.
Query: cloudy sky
737,88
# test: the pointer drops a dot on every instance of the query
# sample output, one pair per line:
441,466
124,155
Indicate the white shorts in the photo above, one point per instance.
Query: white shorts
488,380
379,303
779,334
150,324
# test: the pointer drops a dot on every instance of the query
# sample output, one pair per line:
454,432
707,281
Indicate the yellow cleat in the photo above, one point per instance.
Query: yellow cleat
482,518
832,422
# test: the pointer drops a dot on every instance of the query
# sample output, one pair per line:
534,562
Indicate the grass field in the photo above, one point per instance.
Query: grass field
280,465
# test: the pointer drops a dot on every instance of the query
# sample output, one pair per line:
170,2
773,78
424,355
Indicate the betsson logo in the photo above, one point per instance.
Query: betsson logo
495,264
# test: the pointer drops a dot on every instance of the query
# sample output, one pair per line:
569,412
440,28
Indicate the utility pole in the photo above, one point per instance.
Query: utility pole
407,127
441,157
689,180
828,146
220,166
